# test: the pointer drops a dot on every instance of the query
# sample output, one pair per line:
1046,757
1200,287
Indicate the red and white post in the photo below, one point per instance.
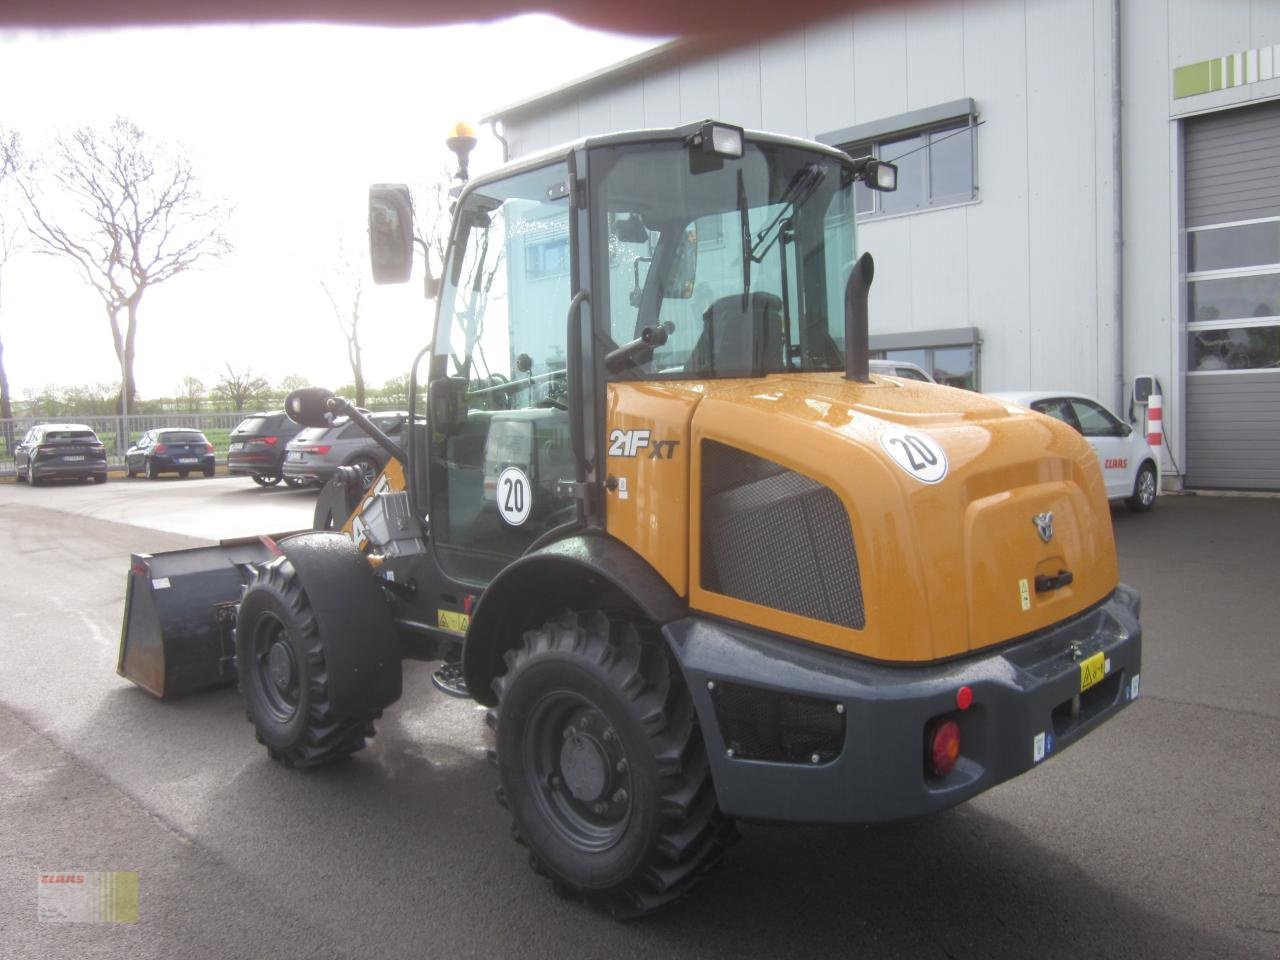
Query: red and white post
1155,421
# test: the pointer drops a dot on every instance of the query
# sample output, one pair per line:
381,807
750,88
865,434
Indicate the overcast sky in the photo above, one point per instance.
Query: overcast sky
291,124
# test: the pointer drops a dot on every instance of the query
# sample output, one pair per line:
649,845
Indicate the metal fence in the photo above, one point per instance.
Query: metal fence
119,433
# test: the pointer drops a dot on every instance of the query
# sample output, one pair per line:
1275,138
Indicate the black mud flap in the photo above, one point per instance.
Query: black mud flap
179,615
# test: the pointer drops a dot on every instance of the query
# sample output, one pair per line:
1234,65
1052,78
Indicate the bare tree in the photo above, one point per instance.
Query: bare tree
432,220
344,287
10,162
129,213
240,388
191,391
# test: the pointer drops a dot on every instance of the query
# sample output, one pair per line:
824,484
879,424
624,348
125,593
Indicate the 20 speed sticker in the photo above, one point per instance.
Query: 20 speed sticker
515,498
916,453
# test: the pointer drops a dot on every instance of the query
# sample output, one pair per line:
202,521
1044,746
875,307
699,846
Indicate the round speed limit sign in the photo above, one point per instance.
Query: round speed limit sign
515,496
917,453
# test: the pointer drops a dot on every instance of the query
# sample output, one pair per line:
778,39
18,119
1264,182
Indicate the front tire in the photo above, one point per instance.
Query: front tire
1144,489
283,675
603,766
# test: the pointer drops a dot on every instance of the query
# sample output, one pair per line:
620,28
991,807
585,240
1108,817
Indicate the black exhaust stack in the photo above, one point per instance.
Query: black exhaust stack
856,339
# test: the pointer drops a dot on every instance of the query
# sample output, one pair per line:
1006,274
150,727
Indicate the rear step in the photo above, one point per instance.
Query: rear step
179,615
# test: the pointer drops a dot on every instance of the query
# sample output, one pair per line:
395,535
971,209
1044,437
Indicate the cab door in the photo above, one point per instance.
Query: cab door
501,449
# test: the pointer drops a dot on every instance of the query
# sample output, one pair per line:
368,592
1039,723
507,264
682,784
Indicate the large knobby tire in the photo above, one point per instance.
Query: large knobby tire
603,766
1144,489
280,659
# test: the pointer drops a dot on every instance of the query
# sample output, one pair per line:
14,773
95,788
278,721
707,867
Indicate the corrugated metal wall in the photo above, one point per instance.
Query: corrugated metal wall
1233,416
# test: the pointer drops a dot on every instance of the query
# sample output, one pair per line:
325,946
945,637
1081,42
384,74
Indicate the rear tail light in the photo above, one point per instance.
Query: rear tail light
161,448
270,441
942,747
208,448
320,450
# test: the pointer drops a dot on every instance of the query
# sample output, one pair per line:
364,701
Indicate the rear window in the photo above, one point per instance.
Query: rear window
70,435
312,433
252,425
187,436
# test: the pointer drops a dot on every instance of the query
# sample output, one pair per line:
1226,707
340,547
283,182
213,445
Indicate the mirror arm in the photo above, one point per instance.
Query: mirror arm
342,407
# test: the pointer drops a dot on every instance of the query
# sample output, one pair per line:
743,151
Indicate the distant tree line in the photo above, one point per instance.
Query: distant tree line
235,391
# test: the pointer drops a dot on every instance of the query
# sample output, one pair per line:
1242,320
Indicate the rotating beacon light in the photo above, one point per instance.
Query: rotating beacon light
461,140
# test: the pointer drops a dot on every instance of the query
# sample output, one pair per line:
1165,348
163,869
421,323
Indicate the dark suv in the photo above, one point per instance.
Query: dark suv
258,447
69,450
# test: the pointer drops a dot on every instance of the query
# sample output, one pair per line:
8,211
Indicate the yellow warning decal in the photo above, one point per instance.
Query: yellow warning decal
453,621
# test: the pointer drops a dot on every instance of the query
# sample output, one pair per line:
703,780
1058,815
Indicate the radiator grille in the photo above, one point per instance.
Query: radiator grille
774,537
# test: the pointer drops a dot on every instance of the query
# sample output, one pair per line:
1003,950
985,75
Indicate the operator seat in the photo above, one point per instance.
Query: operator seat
738,342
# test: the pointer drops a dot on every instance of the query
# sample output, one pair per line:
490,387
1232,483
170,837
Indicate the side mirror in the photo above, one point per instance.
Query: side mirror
390,232
446,408
309,406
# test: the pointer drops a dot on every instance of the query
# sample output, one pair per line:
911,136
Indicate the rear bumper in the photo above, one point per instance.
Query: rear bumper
251,464
308,471
172,464
54,469
869,720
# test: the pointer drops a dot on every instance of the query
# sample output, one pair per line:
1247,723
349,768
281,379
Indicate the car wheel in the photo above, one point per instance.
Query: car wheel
99,478
33,479
368,468
603,767
183,474
151,470
129,472
208,471
295,483
268,480
17,475
1144,489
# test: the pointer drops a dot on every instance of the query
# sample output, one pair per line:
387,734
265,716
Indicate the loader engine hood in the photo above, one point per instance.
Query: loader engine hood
899,521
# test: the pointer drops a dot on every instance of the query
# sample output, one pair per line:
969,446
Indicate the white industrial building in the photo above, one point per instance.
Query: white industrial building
1089,191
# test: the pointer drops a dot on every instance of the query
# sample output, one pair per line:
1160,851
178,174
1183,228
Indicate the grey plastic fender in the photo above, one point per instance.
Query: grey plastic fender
361,649
579,571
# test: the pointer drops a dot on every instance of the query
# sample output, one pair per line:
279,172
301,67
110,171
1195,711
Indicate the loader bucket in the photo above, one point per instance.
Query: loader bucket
179,615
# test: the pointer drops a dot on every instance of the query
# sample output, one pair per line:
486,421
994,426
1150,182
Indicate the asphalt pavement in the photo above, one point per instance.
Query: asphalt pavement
1156,836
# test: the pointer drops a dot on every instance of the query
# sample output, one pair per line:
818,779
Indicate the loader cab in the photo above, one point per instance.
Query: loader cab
695,253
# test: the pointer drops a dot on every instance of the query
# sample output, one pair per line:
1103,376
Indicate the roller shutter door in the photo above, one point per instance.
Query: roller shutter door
1232,209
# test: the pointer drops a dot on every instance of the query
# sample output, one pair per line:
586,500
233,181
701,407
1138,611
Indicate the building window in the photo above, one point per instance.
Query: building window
950,366
935,169
1233,296
547,258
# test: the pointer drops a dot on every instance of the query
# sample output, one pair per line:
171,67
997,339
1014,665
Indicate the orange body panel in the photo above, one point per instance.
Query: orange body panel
946,567
647,455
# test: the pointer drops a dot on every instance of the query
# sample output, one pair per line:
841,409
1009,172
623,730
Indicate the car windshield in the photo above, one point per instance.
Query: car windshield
743,261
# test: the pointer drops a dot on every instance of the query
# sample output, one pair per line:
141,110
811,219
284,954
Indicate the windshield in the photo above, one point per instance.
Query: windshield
742,261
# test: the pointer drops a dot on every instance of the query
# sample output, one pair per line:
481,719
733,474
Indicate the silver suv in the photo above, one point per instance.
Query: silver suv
315,453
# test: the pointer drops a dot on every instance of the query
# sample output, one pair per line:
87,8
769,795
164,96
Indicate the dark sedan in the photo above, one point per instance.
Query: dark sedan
60,450
172,450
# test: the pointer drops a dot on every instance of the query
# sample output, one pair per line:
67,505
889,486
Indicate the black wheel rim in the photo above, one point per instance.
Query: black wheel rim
277,667
368,472
579,771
